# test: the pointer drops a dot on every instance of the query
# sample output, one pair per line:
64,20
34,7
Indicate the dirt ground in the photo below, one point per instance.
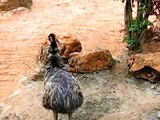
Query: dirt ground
109,95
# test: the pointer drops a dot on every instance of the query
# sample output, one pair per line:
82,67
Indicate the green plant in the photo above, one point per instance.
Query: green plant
136,27
130,41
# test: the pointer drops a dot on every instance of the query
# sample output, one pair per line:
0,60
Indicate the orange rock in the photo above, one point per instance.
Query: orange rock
141,60
70,48
7,5
146,66
90,62
68,44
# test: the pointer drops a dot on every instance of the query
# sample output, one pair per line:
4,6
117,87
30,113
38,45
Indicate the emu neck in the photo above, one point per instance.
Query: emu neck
54,66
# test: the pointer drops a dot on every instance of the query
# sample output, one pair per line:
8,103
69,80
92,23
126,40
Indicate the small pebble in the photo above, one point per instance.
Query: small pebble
152,87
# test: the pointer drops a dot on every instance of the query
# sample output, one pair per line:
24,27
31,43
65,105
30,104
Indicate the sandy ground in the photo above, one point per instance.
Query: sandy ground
97,24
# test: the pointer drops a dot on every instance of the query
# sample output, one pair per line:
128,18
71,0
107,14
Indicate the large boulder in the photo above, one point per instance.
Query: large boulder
91,61
145,66
67,45
7,5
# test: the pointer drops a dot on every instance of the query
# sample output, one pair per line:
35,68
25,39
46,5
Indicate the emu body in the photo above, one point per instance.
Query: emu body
62,93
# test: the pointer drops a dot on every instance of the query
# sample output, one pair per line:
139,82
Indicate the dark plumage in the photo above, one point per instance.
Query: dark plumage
62,93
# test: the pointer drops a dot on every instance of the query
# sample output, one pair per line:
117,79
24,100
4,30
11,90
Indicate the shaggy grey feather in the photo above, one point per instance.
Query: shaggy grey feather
62,93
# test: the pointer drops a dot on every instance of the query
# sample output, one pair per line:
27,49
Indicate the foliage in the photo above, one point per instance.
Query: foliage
130,41
136,27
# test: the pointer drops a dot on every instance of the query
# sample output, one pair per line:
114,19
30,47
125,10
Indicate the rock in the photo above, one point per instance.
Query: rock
7,5
152,87
90,62
70,48
145,66
67,45
131,81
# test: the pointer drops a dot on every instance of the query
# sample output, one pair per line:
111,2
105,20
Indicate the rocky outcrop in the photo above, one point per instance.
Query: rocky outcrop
90,62
145,66
70,50
7,5
67,45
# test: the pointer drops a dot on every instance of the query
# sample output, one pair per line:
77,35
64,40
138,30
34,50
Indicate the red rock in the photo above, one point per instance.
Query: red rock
68,44
90,62
146,66
70,48
7,5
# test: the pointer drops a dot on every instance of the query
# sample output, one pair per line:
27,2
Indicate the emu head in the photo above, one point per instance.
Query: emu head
53,45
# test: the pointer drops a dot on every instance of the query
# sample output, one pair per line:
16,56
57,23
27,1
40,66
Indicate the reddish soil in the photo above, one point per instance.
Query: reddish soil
96,24
109,95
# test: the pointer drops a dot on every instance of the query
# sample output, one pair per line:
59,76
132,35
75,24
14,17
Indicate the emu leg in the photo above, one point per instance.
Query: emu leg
55,116
70,116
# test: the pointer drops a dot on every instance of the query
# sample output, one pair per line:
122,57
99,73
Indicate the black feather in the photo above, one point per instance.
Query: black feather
53,44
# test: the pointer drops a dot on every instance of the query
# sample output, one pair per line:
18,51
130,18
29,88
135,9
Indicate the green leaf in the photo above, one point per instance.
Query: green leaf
145,23
130,41
142,9
134,26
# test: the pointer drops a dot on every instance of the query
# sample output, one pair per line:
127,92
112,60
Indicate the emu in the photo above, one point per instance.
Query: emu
62,93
